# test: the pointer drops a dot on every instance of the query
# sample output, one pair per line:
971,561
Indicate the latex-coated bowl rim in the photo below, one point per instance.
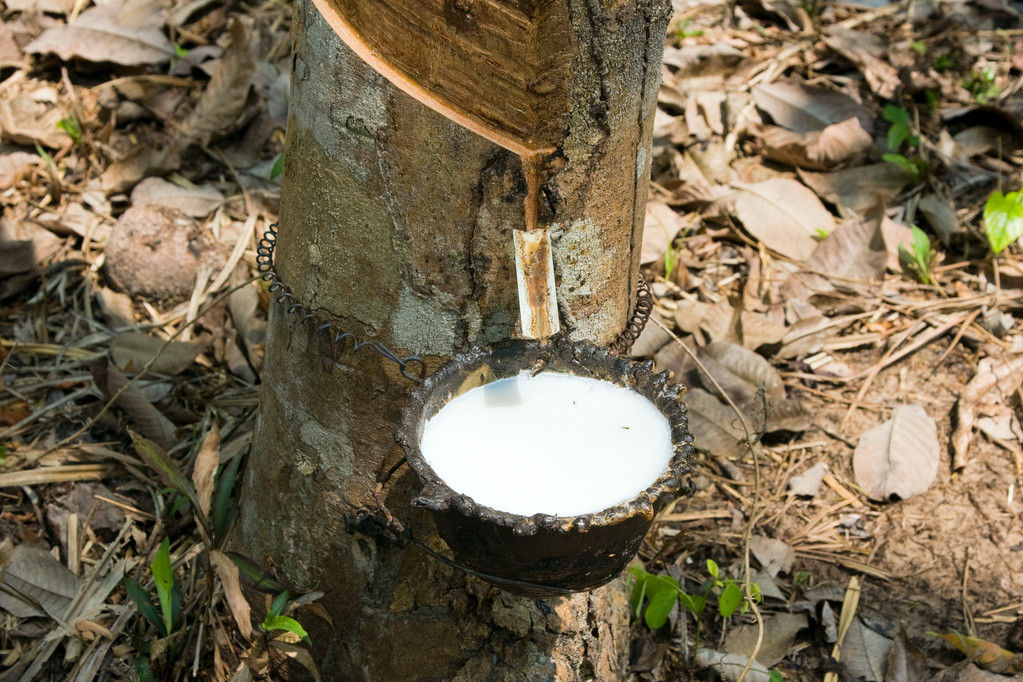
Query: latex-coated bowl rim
582,359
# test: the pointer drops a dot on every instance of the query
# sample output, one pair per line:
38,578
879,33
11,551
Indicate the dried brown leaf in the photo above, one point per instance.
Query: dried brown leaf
10,53
730,666
899,457
786,414
865,652
855,190
24,246
993,382
740,372
760,330
197,202
775,556
837,145
14,166
128,33
243,304
205,470
805,109
779,634
31,116
855,250
865,52
228,574
131,352
299,654
661,227
690,314
41,6
132,401
781,213
941,216
894,235
808,483
907,662
141,162
714,425
650,340
34,583
223,100
721,322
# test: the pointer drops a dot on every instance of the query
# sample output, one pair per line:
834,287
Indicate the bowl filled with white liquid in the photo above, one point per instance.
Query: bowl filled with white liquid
543,465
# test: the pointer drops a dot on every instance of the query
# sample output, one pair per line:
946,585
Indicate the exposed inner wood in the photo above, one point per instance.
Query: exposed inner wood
496,67
538,309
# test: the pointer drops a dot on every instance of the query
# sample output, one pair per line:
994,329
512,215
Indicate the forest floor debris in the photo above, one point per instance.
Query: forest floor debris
832,232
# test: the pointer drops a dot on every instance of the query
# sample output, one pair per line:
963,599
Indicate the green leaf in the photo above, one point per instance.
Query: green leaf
285,623
223,511
730,599
1003,219
70,126
277,607
638,588
143,670
278,167
921,242
775,676
143,603
659,608
158,460
253,575
693,602
712,568
163,575
900,130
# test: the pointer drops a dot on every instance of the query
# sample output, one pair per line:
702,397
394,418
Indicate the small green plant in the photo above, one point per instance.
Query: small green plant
163,576
71,126
918,47
276,620
981,85
820,234
901,132
901,129
670,261
915,167
168,592
945,62
1003,219
278,167
660,594
682,30
921,258
179,53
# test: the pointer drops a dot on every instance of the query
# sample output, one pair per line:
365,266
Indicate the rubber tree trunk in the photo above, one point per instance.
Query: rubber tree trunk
397,223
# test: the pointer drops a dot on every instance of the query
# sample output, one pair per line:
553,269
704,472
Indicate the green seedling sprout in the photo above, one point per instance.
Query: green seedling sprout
1003,219
921,258
163,576
275,620
71,126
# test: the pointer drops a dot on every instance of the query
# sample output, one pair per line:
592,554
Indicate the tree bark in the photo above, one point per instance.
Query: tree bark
396,223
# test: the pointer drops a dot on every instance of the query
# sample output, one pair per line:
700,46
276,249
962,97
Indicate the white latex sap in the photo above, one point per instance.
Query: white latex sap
552,443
